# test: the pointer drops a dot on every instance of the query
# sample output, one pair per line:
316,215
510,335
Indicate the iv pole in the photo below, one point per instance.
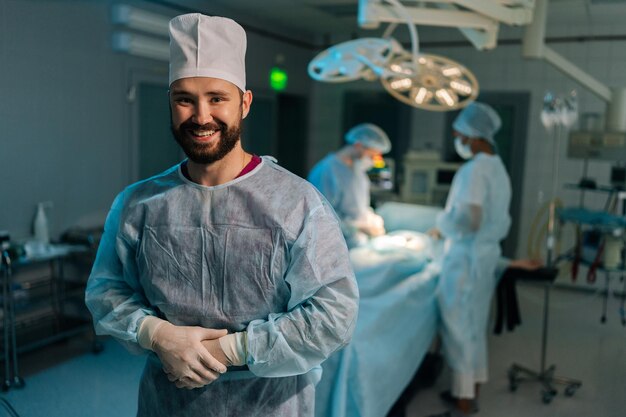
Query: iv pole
546,375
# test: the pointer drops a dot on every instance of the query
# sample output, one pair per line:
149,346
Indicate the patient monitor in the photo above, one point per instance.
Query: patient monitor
427,179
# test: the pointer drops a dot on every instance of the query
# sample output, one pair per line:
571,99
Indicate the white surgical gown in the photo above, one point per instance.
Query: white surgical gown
263,253
481,187
348,191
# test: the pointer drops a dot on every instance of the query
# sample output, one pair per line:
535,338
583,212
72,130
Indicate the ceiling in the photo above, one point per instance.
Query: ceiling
316,23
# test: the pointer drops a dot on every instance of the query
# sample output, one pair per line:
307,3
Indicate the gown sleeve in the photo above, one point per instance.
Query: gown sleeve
113,294
322,309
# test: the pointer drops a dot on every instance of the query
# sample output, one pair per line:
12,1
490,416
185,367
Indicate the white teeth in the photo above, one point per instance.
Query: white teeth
203,133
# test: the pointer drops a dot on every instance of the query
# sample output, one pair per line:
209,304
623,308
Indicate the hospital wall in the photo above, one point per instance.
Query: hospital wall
504,70
66,122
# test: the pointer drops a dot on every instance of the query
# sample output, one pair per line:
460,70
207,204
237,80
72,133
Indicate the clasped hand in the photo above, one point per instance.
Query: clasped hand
190,354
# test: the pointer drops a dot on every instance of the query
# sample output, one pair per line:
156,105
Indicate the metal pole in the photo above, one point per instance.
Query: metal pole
551,240
6,263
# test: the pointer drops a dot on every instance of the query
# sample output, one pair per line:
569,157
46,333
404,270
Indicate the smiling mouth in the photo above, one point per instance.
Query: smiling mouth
203,135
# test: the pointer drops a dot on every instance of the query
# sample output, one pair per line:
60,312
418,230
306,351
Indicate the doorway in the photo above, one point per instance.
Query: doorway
277,125
157,149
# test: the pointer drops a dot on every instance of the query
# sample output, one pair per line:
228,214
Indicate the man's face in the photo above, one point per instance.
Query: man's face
464,139
369,153
206,116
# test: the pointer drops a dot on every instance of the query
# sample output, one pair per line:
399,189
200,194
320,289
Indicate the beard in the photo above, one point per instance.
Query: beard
207,153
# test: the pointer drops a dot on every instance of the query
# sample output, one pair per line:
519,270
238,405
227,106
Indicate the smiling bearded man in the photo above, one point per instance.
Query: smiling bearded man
229,271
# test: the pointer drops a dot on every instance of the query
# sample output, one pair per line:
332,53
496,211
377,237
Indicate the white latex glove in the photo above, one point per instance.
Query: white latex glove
459,220
234,347
371,224
376,225
180,349
229,350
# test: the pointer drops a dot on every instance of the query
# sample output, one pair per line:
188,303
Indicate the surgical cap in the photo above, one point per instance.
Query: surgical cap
370,136
478,120
207,46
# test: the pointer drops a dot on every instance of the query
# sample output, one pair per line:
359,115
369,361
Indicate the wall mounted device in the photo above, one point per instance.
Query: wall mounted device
427,179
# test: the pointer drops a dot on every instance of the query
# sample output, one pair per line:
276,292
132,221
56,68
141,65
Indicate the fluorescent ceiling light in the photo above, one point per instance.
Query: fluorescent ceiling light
142,46
141,20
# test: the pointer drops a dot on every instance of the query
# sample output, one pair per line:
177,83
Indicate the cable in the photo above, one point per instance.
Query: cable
9,407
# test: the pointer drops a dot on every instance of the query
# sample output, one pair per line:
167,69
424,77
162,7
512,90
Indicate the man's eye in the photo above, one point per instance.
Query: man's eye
216,99
183,100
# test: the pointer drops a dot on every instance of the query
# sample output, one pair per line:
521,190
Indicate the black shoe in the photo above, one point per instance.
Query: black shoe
446,397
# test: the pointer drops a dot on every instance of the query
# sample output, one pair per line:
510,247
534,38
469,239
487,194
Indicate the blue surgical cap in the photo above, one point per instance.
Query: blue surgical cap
370,136
478,120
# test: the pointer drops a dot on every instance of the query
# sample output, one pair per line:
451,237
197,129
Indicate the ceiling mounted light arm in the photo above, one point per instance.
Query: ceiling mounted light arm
412,31
478,20
511,13
483,37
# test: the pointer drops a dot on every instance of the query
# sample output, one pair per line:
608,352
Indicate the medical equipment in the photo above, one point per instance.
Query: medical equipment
424,81
381,174
11,372
558,116
609,144
559,110
599,246
427,178
606,146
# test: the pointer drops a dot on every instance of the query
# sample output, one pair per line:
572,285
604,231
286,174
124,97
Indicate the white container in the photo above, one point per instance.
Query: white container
40,224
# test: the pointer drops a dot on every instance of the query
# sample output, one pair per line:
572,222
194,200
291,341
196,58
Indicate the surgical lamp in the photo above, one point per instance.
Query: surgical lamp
425,81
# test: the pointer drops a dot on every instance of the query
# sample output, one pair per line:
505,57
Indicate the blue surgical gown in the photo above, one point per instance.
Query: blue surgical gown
263,253
348,191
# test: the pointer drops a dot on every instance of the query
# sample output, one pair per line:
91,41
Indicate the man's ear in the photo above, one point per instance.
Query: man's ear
246,102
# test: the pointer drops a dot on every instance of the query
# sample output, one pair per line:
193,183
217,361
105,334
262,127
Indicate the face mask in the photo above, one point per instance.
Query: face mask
363,164
464,151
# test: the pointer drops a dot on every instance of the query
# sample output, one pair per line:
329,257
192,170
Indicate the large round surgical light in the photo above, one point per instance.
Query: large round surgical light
352,60
440,84
429,82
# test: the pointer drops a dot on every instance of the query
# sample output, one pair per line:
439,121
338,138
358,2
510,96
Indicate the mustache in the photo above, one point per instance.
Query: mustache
216,125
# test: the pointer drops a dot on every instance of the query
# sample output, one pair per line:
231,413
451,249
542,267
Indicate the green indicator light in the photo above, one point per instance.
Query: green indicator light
278,79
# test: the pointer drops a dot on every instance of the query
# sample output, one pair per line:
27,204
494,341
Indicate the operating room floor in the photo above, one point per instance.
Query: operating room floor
578,344
60,383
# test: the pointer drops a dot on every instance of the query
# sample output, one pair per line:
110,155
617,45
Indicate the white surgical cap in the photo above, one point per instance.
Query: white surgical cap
370,136
207,46
478,120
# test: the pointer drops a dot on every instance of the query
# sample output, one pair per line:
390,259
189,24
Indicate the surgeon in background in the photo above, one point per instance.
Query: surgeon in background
342,178
475,220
